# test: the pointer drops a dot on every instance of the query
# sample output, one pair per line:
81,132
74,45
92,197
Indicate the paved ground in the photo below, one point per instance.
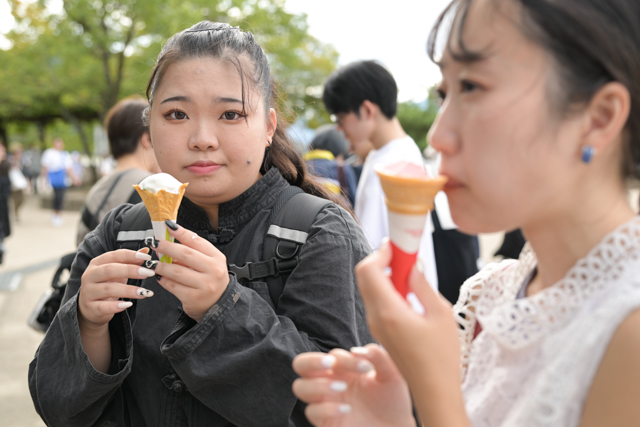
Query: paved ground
32,251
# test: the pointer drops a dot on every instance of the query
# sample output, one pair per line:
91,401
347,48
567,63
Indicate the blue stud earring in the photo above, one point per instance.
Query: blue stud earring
587,153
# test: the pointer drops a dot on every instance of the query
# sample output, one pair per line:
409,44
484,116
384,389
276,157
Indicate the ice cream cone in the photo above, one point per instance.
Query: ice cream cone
410,193
162,205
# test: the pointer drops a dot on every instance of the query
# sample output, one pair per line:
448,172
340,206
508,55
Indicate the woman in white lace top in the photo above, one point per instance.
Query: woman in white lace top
539,129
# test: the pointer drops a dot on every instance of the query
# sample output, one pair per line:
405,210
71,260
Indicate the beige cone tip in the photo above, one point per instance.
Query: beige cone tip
163,204
410,195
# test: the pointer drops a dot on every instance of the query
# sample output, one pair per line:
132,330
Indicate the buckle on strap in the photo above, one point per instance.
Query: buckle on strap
254,270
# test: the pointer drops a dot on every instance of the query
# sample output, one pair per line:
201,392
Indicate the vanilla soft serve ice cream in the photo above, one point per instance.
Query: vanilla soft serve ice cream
161,194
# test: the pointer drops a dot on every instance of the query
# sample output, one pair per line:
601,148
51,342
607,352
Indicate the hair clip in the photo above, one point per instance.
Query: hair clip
198,30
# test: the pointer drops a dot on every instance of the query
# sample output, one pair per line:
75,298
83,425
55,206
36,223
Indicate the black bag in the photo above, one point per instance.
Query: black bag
50,301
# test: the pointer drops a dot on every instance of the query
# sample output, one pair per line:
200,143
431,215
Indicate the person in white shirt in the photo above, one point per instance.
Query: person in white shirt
363,98
56,166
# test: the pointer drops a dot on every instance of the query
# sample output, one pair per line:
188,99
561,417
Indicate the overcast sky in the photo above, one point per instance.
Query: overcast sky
391,31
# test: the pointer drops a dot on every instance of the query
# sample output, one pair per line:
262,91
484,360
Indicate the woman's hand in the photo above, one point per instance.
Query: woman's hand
198,275
361,388
104,282
426,348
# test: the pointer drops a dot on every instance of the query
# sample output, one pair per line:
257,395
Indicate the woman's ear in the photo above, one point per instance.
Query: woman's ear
272,124
145,141
606,116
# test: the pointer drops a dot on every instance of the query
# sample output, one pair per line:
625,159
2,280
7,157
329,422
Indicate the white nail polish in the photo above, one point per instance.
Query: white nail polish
145,272
125,304
344,408
142,256
360,351
338,386
144,292
328,361
364,366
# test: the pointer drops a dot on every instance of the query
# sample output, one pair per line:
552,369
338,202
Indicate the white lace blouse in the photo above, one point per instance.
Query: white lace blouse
535,359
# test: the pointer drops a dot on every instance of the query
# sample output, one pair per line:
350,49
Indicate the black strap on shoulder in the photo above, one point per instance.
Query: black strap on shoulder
289,223
135,227
90,220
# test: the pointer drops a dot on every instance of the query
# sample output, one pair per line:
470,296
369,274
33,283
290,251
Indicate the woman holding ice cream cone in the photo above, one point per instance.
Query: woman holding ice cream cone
539,128
196,345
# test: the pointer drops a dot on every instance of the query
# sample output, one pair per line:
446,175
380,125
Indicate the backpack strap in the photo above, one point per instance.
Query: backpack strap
135,227
89,219
289,223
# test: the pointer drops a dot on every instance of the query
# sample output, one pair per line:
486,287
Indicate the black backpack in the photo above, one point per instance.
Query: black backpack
287,232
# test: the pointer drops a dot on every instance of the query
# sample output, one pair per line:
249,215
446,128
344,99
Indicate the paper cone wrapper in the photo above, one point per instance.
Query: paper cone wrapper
405,232
162,205
409,200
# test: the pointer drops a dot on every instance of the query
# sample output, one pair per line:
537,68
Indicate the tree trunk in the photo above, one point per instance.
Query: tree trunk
3,135
41,134
77,124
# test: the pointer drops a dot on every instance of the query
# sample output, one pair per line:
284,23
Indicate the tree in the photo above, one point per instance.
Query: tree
82,60
416,118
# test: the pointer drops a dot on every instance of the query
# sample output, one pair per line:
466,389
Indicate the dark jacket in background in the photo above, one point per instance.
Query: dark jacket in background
233,368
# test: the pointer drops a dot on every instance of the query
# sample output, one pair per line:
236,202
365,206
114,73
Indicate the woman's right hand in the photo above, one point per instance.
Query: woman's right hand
104,282
357,389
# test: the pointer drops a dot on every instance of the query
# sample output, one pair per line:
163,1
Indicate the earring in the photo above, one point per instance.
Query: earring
587,154
269,142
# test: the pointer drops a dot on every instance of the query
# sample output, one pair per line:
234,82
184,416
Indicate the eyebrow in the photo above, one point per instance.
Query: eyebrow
218,100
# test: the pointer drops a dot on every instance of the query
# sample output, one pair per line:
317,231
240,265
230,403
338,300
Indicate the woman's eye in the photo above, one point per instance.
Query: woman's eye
231,115
467,86
176,115
441,95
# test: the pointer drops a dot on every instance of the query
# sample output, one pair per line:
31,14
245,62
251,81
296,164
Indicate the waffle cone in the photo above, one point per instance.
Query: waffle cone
410,195
163,204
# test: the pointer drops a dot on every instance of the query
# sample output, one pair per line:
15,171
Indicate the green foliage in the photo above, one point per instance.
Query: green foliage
75,65
416,119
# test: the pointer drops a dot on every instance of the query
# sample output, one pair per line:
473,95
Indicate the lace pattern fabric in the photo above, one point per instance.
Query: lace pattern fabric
534,361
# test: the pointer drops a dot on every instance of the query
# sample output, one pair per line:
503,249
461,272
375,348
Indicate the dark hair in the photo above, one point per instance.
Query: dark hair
348,87
124,125
219,40
592,42
329,138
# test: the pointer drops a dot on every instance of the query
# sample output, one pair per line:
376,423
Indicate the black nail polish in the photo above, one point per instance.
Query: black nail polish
151,264
150,241
158,277
172,225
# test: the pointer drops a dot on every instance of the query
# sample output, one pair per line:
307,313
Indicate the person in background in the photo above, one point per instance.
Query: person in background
57,166
5,194
130,146
363,98
358,154
19,183
31,167
325,159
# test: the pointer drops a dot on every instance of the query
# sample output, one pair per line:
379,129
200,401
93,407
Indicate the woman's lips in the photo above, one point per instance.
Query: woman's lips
452,183
203,168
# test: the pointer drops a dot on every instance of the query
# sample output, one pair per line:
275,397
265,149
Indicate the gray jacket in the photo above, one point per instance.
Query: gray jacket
233,368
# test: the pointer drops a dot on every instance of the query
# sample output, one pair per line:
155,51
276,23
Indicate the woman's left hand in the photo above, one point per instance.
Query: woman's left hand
198,275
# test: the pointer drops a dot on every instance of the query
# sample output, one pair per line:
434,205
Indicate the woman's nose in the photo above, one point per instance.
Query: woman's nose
443,135
204,137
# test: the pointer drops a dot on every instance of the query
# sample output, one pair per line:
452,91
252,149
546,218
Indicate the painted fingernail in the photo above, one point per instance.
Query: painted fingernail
361,351
172,225
144,292
158,277
328,361
153,242
125,304
364,366
145,272
420,266
338,386
142,256
151,264
344,408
